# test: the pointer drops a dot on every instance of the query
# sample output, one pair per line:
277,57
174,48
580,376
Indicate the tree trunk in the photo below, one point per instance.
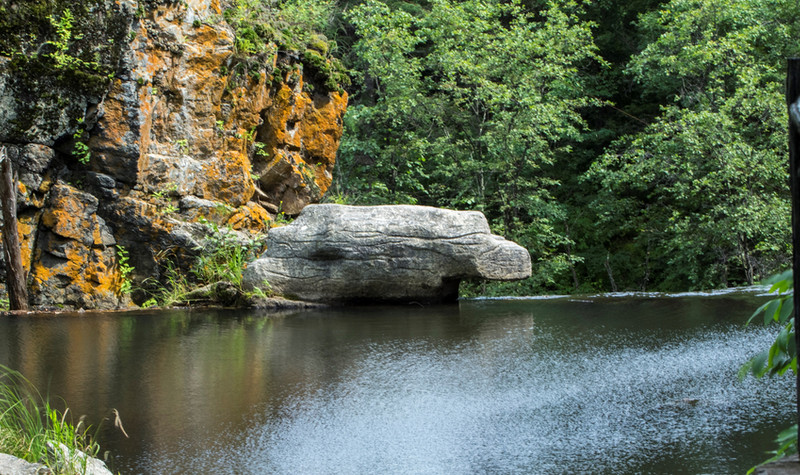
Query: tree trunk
792,95
569,256
607,265
15,273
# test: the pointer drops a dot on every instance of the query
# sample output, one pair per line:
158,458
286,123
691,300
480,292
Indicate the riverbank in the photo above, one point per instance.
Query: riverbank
36,438
270,303
786,466
11,465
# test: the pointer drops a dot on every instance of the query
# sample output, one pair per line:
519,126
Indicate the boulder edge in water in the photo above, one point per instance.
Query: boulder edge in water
396,253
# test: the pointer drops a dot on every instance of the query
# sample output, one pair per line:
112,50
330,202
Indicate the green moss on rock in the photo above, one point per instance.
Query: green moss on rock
261,26
61,57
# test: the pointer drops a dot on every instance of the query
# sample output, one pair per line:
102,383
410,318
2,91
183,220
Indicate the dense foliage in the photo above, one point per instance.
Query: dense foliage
449,117
781,356
701,192
635,146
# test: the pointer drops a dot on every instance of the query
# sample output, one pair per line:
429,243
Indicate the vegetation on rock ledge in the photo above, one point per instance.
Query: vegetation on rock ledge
215,276
293,29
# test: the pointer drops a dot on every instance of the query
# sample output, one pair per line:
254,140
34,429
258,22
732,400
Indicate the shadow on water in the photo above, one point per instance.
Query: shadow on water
591,385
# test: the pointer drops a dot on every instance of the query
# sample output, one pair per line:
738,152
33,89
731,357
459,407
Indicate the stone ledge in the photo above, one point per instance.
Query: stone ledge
786,466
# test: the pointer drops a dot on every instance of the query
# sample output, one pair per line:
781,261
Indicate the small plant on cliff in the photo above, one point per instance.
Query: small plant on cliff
80,150
251,134
82,153
281,219
168,189
219,126
224,256
125,270
64,27
260,149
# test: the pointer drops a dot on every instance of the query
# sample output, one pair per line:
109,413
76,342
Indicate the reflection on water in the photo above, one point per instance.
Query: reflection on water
599,385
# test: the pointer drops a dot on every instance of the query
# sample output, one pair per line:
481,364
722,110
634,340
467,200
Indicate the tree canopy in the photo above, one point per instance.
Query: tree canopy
628,147
701,191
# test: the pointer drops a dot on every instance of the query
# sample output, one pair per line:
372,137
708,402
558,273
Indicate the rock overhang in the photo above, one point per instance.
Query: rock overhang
392,253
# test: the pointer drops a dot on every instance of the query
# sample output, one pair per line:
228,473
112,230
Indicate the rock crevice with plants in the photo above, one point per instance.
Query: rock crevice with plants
140,129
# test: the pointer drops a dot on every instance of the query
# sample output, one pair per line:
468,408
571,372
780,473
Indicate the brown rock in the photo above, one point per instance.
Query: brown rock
250,217
177,138
302,135
71,214
74,264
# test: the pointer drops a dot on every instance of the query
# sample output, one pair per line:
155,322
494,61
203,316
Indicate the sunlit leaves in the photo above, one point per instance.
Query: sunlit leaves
465,104
705,183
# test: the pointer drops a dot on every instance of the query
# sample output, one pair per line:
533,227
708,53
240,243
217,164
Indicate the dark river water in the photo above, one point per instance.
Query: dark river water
606,385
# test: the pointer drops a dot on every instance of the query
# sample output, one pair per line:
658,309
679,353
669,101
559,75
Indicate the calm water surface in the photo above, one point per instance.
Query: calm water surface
591,385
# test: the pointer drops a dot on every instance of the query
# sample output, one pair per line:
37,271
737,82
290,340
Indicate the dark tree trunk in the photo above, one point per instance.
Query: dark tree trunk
15,280
607,265
792,95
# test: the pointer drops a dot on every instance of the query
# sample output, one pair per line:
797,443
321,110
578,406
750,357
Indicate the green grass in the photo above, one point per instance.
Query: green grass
222,258
30,427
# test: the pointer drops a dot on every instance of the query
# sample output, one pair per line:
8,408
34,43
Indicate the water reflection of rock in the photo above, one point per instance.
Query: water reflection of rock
193,386
173,373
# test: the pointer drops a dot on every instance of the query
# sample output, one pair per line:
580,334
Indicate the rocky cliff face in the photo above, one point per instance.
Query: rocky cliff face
138,125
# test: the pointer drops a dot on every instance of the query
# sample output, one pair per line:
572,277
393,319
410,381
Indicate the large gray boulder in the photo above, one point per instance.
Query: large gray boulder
348,254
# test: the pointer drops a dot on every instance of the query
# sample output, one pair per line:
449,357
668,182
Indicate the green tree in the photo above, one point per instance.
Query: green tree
699,197
470,104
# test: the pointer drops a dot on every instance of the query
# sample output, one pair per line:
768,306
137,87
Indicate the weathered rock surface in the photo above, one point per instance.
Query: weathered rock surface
789,465
335,253
151,128
10,465
80,463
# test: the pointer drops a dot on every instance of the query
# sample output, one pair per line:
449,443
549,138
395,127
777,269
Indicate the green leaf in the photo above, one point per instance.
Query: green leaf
787,308
758,312
771,311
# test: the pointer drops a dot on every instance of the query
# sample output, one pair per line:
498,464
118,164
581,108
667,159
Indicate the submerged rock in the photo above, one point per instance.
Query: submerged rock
338,254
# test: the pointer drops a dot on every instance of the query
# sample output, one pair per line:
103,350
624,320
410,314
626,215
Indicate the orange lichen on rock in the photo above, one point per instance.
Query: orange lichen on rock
250,217
227,179
26,227
302,134
74,264
84,277
69,214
